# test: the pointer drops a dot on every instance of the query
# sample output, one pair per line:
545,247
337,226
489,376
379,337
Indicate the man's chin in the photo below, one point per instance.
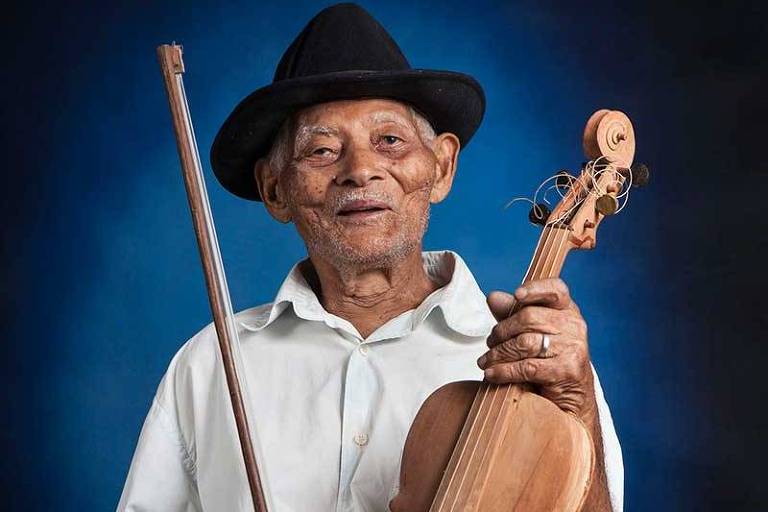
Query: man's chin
372,252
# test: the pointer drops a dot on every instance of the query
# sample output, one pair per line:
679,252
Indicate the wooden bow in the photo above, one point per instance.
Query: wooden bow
172,67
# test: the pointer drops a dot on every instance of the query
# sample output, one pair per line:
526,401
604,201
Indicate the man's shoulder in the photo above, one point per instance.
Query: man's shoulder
201,350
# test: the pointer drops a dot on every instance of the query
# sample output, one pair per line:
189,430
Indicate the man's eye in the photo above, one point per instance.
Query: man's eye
391,139
322,151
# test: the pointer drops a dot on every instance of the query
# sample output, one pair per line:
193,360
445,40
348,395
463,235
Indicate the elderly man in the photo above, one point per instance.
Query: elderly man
352,146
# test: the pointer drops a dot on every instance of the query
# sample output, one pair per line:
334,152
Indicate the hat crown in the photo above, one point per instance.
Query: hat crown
342,37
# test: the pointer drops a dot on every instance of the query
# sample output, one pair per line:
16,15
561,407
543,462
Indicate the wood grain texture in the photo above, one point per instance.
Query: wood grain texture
172,67
542,460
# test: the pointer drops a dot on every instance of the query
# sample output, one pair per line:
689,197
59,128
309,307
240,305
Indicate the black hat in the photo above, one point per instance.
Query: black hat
342,53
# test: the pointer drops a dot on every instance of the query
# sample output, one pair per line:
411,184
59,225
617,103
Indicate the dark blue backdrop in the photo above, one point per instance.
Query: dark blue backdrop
101,278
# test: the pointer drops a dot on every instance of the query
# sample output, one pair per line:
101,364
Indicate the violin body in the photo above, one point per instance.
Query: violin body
538,458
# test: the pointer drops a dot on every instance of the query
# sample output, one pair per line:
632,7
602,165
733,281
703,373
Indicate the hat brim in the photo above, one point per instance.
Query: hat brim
451,102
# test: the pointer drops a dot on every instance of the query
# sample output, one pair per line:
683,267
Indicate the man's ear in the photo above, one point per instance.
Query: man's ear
446,147
270,191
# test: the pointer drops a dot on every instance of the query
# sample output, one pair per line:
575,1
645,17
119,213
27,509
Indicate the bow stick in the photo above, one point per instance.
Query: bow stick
216,282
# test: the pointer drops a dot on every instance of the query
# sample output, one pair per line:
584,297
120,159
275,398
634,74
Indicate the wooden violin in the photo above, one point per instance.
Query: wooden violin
476,446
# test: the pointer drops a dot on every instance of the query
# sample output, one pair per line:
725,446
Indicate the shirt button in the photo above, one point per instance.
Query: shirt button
363,349
361,439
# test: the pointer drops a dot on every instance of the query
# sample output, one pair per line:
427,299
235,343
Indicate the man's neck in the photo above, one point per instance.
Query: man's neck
369,297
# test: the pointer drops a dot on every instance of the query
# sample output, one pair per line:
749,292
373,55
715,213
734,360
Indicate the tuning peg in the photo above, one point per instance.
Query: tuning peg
606,204
563,179
539,214
640,175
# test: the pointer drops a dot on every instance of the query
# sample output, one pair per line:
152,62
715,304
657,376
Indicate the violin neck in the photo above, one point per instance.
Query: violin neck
550,253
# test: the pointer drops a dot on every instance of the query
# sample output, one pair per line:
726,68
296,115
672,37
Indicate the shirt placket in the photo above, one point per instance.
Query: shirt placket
359,394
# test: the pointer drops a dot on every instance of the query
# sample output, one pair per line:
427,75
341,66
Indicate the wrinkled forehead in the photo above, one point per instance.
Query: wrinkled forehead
330,118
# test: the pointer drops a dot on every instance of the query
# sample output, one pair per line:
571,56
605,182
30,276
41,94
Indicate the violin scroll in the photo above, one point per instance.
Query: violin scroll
601,189
609,134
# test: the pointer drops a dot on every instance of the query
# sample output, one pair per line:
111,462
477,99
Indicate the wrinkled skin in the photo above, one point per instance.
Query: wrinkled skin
369,158
367,267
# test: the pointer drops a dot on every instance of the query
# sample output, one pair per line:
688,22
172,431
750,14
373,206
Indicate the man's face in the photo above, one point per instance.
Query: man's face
359,184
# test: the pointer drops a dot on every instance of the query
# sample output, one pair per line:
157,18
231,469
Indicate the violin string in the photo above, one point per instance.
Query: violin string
508,388
484,411
546,252
552,271
474,448
467,440
540,257
481,409
594,169
546,259
535,194
622,197
472,432
627,187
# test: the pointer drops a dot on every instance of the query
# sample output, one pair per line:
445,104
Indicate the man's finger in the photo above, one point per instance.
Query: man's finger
521,347
535,371
551,292
501,304
529,319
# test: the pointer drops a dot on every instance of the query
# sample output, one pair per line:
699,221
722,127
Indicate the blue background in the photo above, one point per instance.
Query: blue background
101,277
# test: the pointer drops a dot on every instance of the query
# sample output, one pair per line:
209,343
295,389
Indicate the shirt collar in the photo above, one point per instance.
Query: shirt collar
460,299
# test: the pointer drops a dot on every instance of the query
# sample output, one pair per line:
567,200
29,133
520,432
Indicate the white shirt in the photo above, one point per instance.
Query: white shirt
330,408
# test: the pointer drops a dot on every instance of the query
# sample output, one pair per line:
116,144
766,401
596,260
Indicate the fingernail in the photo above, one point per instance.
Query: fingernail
520,293
489,373
481,362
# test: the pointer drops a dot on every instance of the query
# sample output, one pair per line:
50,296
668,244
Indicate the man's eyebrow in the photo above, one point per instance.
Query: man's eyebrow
383,116
316,129
305,133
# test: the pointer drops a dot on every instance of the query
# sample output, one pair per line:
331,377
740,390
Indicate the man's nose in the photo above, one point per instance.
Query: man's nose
359,167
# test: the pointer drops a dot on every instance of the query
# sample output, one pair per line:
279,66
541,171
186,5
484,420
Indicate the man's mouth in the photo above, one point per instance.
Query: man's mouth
363,208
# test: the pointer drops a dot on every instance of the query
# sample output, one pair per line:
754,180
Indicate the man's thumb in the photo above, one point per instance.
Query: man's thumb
501,304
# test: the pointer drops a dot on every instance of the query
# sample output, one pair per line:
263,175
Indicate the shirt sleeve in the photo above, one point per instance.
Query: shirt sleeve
614,463
162,473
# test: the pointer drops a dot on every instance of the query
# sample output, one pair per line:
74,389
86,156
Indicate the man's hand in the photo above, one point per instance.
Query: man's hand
563,374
